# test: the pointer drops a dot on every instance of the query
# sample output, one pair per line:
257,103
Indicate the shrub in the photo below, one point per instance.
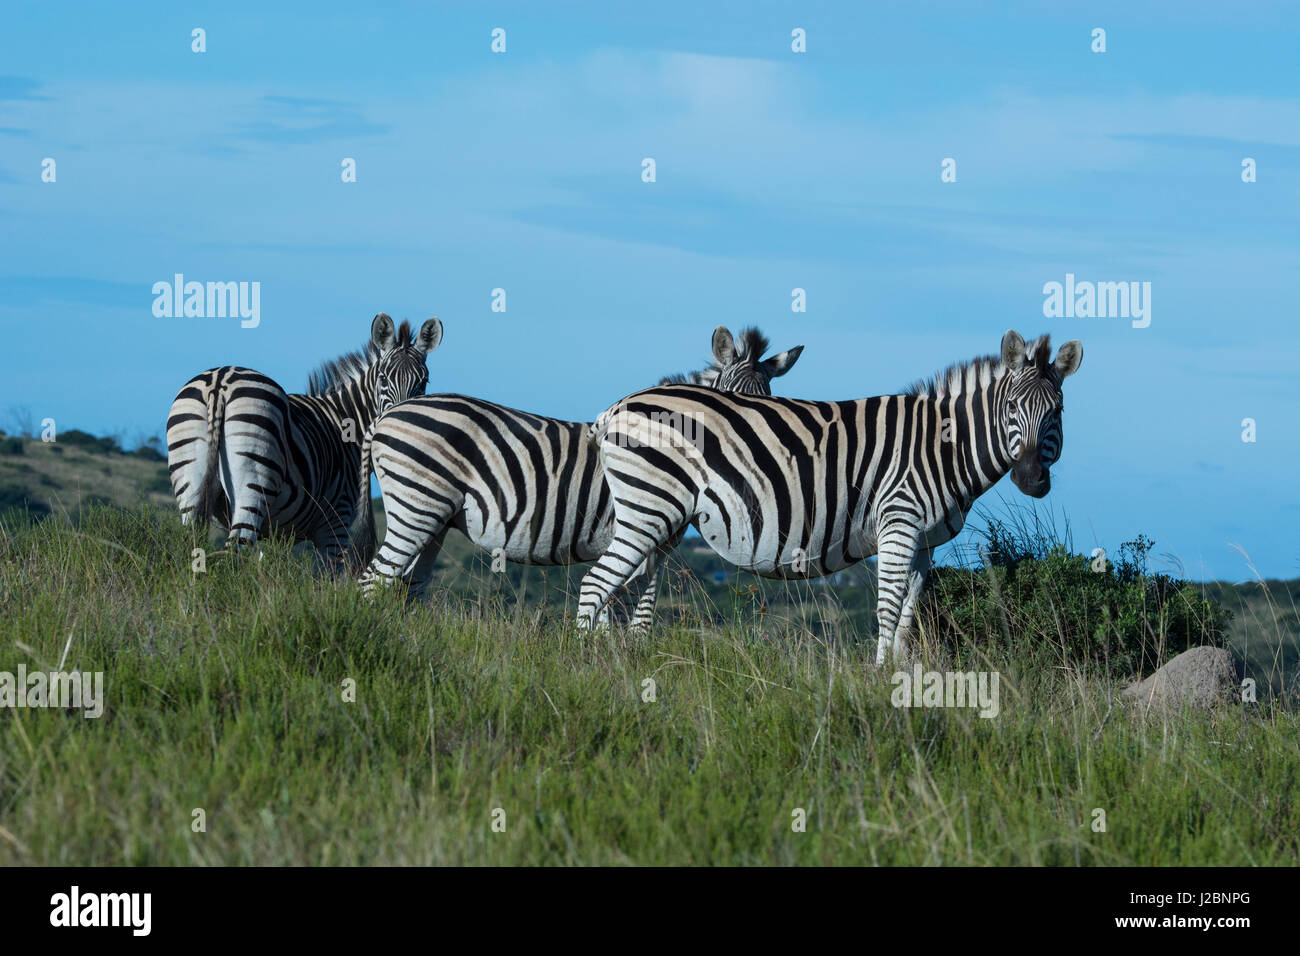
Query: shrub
1123,619
75,436
11,446
15,498
149,453
158,484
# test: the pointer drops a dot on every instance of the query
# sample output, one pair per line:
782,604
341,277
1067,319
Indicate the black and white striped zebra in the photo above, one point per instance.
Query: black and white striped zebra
799,489
244,453
527,488
739,367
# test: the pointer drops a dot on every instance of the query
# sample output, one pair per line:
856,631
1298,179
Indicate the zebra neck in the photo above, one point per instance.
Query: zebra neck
980,431
354,402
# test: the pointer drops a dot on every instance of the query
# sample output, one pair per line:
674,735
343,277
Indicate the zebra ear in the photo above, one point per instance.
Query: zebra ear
1013,350
724,346
1068,358
780,364
430,336
382,334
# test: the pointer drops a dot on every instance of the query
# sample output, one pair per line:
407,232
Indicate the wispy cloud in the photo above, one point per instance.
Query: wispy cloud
1276,155
20,88
300,120
79,290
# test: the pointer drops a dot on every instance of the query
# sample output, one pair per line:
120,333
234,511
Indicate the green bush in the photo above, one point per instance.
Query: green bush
158,484
15,498
75,436
11,446
1123,619
149,453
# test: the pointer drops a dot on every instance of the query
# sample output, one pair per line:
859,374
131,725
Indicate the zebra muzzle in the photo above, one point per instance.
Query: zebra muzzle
1030,475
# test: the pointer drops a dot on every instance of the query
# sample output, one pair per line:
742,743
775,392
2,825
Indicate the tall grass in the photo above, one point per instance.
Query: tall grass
226,692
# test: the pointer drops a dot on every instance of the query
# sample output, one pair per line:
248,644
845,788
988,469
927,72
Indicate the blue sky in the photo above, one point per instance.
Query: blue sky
775,170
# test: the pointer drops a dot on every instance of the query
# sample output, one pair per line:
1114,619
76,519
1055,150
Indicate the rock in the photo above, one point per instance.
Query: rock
1202,677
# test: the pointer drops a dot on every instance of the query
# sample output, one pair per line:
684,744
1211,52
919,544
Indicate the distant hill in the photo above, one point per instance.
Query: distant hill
45,478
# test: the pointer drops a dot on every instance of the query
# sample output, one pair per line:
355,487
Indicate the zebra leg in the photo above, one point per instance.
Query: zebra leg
251,482
331,543
644,614
897,546
187,455
421,572
915,582
614,568
412,539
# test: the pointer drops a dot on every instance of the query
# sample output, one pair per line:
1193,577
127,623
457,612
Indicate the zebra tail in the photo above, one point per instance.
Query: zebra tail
362,532
209,485
597,429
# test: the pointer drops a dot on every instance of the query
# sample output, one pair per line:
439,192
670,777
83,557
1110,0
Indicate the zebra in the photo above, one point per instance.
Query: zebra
242,452
799,489
736,367
526,488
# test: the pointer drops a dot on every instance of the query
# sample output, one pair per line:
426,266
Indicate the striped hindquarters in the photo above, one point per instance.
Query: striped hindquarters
242,452
213,411
520,485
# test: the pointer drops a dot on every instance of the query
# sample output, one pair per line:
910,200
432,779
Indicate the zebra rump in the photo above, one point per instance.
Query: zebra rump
284,463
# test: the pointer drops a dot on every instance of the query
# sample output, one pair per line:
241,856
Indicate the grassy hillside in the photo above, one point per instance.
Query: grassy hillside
312,727
1259,620
59,477
228,692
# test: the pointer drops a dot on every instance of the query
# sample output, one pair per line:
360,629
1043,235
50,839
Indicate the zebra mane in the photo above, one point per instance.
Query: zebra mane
690,378
963,377
750,346
334,374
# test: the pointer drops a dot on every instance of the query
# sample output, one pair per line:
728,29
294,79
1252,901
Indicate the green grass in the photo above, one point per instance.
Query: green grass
225,692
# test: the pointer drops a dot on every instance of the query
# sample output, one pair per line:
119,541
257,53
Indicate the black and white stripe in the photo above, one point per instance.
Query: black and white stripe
527,488
246,454
799,489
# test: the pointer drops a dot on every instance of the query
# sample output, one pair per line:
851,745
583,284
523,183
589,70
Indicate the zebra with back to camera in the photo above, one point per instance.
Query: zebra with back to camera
524,487
246,454
798,489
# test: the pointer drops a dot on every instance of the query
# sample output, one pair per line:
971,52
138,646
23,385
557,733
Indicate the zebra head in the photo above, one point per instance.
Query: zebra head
400,371
736,368
1032,407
